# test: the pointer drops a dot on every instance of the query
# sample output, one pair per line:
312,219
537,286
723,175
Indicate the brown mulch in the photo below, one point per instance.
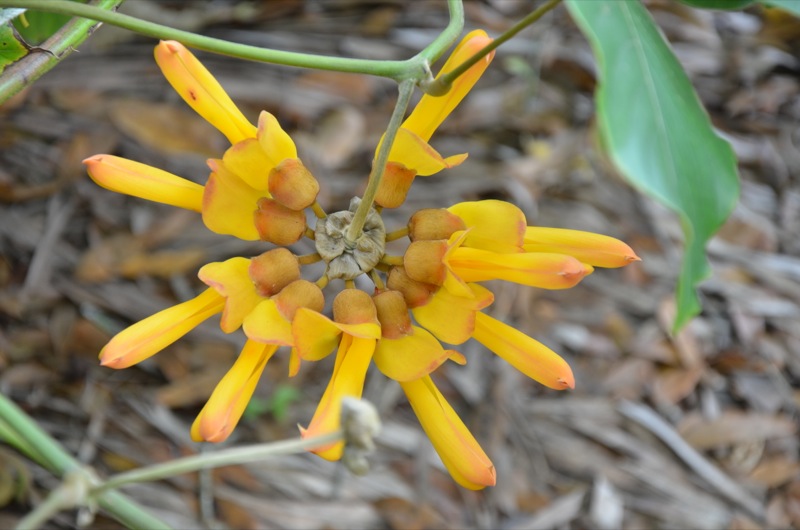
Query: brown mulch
697,430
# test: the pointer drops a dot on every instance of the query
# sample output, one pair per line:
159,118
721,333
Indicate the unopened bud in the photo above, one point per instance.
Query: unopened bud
292,185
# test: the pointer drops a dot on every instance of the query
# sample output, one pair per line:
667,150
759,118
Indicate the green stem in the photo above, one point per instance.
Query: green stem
62,43
392,69
448,36
379,166
225,457
60,462
442,85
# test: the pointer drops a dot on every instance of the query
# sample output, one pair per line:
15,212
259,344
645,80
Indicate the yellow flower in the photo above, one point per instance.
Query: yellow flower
257,190
260,190
411,155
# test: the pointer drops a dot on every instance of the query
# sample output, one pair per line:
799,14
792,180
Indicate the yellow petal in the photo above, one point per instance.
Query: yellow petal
225,407
595,249
548,271
265,323
527,355
277,145
315,335
229,204
416,154
143,181
458,449
431,111
201,91
410,357
349,372
493,225
231,279
449,317
247,160
151,335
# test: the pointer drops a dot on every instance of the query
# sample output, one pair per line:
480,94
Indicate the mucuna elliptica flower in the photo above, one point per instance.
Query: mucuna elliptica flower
426,299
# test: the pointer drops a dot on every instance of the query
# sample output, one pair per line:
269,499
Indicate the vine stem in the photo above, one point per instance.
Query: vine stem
442,84
398,70
406,89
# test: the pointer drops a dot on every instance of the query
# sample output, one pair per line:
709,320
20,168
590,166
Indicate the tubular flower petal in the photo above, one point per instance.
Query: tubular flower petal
271,320
349,372
414,153
458,449
201,91
529,356
225,407
492,225
431,111
151,335
143,181
231,279
277,145
248,161
229,203
451,318
595,249
548,271
411,356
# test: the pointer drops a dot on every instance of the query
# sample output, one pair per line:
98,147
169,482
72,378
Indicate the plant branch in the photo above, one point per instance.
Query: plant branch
379,165
442,85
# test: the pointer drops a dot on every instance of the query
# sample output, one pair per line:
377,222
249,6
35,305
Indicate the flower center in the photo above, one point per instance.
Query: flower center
348,260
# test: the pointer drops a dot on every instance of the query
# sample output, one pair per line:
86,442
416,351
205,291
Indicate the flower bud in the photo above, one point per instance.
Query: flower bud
394,186
434,223
292,185
273,270
415,293
300,293
278,224
354,306
393,314
424,261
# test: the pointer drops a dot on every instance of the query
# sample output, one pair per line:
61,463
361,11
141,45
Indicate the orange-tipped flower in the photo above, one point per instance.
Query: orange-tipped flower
458,449
595,249
151,335
143,181
225,407
201,91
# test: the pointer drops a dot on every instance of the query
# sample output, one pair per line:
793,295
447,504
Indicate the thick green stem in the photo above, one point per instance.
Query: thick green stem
54,458
442,85
63,42
379,165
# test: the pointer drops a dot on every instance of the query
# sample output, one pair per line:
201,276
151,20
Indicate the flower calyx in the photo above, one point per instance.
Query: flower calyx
347,260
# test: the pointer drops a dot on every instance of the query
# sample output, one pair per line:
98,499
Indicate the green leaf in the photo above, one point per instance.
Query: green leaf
792,6
39,26
657,132
11,49
727,5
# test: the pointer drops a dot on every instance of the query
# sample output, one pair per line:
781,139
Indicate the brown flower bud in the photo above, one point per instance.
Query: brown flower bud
394,186
273,270
415,293
354,306
292,185
423,261
434,223
278,224
392,314
300,293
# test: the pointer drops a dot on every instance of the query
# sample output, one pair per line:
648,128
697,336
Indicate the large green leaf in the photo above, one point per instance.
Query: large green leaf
657,132
792,6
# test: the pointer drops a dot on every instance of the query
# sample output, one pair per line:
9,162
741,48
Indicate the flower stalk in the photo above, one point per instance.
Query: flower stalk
405,90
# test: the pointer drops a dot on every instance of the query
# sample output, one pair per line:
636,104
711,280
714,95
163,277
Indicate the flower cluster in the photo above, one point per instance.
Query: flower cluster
429,296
